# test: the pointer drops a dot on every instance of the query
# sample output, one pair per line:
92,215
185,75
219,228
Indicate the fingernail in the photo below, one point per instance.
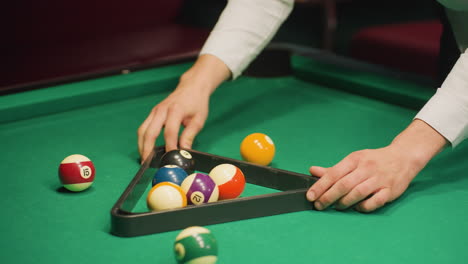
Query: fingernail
318,206
310,196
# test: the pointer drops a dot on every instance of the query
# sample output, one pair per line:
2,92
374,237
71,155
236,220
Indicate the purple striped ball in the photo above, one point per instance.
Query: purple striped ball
200,188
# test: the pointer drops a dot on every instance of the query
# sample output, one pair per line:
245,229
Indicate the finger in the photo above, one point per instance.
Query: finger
360,192
142,130
379,199
341,188
330,177
317,171
172,127
152,132
190,132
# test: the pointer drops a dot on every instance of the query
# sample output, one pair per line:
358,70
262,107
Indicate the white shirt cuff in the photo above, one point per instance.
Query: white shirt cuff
447,110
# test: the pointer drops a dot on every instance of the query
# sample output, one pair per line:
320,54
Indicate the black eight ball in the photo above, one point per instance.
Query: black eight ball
181,158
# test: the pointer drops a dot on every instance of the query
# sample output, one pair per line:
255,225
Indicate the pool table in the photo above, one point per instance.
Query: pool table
317,108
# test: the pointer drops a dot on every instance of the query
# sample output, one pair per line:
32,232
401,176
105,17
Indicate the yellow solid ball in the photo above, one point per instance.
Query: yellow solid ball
258,148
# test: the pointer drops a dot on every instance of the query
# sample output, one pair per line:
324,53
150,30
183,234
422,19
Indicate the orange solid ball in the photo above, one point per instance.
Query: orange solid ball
258,148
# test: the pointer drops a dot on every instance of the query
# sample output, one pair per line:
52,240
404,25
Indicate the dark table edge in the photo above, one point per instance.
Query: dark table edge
123,69
317,54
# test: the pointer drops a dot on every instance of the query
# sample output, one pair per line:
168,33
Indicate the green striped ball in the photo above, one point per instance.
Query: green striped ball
196,245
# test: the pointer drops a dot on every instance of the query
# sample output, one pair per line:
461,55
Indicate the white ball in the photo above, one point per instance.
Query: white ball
166,195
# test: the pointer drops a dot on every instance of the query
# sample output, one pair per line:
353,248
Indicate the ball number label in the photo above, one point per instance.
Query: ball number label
186,154
179,251
197,198
85,172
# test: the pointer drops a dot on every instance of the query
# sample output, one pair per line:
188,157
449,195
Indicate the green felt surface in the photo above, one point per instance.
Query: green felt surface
311,124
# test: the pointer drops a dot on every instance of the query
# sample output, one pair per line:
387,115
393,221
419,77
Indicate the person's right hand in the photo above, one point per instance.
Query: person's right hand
186,106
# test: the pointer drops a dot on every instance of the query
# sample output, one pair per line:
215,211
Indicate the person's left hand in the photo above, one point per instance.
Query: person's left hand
366,179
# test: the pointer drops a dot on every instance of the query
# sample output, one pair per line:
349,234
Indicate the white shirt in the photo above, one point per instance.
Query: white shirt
246,26
447,110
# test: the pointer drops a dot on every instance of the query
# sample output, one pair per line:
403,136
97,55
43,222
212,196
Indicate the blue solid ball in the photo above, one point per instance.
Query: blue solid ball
170,173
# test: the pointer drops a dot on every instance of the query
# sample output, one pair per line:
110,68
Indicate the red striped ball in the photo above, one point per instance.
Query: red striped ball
230,181
76,173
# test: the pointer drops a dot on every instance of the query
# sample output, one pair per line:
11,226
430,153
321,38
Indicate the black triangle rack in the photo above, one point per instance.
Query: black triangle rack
291,198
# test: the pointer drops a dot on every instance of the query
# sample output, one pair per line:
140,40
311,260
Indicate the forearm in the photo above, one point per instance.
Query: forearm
244,28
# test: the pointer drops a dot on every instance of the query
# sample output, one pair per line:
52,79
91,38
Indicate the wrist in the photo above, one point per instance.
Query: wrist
419,143
206,74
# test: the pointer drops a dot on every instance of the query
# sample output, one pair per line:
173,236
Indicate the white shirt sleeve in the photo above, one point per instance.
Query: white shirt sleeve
244,28
447,110
458,5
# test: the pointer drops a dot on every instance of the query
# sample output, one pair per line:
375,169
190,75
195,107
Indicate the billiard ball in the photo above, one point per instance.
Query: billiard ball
181,158
166,195
76,173
230,180
200,188
169,173
196,245
258,148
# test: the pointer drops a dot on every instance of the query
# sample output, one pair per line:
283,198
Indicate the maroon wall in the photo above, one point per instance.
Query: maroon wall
52,40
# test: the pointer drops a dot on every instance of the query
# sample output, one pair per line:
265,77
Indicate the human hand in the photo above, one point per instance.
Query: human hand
368,179
383,174
186,106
